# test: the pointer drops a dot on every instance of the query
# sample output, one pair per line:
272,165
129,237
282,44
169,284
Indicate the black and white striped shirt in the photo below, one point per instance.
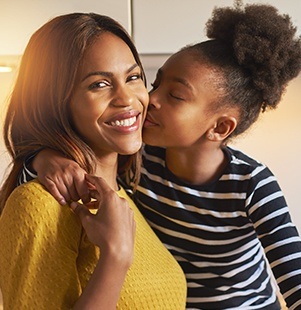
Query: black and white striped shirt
218,233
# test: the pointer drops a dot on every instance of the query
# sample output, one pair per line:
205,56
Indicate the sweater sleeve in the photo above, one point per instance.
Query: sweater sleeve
269,213
39,248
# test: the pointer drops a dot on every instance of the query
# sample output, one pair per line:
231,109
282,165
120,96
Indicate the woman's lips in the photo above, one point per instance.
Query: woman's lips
126,122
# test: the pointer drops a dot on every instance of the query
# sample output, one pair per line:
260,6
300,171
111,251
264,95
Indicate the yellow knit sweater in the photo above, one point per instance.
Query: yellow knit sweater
46,258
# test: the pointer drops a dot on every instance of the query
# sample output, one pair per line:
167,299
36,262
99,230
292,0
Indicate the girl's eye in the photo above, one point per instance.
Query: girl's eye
176,97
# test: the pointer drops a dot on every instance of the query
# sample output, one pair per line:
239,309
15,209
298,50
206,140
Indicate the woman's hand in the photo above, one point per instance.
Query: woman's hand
112,228
62,177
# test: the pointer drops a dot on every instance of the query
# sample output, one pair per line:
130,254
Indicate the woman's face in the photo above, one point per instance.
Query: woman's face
110,99
178,113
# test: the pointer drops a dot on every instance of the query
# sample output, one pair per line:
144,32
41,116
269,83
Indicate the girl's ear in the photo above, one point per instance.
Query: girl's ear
224,126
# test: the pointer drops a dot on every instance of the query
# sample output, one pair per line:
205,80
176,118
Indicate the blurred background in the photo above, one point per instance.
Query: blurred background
160,28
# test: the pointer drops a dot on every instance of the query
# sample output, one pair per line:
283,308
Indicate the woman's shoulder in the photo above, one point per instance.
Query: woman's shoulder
31,202
31,193
30,187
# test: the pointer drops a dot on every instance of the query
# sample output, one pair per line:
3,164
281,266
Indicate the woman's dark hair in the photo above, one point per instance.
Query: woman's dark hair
38,114
255,52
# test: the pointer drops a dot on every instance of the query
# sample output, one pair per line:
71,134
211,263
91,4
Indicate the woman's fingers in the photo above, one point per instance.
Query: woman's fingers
98,183
112,228
99,187
82,212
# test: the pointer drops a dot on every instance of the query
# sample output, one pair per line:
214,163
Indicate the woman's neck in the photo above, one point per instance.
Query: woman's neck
106,167
196,166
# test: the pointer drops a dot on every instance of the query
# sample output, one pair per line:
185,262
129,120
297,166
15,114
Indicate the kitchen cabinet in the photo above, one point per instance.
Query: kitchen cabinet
164,26
20,18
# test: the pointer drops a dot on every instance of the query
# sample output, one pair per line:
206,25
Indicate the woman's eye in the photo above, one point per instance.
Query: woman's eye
101,84
135,77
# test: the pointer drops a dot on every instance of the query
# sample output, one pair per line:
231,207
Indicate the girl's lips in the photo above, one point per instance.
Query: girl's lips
149,121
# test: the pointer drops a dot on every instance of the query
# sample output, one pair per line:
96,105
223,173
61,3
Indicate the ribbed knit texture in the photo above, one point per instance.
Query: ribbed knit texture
46,258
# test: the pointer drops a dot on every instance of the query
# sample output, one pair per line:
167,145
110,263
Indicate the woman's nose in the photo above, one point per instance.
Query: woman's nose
124,97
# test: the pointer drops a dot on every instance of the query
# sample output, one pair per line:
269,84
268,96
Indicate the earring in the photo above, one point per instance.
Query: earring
210,136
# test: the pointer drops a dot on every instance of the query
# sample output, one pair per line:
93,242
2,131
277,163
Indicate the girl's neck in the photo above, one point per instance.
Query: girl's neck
196,166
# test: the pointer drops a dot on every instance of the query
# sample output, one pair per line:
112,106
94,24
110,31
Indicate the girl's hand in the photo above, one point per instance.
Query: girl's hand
112,228
62,177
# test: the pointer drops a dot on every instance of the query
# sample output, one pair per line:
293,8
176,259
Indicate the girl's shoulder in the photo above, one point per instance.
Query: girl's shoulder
246,166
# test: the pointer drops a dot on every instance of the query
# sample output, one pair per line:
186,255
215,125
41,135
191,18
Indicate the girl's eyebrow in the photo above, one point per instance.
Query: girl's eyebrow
184,82
177,79
108,74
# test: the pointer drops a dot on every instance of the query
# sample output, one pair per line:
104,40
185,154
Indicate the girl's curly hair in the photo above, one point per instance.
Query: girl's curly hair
256,51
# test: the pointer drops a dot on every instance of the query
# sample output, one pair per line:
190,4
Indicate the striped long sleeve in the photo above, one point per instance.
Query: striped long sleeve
222,233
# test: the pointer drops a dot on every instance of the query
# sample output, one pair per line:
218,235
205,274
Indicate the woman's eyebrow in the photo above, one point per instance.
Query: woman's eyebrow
101,73
108,74
132,68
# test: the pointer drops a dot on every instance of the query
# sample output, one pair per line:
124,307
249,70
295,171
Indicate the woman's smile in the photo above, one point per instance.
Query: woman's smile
126,122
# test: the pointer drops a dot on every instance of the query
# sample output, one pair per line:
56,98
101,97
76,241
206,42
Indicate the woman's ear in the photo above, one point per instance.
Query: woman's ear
224,126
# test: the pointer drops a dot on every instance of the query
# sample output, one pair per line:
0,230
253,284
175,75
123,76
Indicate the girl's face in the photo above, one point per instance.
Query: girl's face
110,99
179,109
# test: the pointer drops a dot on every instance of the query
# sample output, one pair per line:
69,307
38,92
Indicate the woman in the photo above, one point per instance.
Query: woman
81,91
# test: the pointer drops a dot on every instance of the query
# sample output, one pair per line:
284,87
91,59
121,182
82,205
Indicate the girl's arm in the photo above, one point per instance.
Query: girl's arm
62,177
269,212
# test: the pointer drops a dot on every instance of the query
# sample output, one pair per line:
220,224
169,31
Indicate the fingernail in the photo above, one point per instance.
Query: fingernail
73,205
62,202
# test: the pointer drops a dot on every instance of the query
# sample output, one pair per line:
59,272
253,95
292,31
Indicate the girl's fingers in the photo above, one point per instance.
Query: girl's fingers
61,196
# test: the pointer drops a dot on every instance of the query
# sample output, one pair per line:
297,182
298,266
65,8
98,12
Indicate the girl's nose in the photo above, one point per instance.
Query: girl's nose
154,99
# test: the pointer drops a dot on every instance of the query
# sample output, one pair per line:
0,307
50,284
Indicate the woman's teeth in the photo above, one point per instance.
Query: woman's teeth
124,122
